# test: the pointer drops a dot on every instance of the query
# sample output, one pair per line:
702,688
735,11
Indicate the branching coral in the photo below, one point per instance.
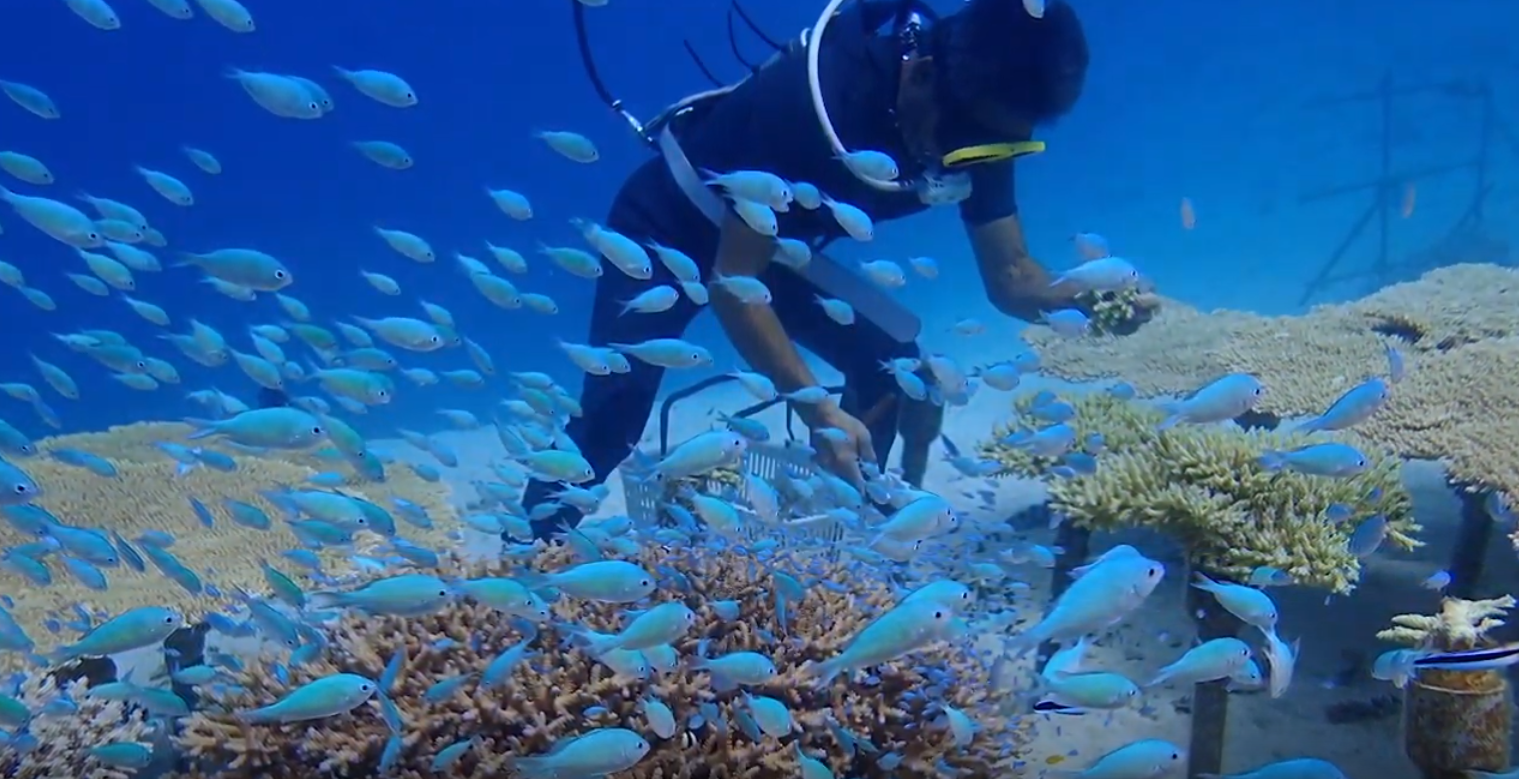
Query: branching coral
1206,487
148,494
63,741
1455,327
566,692
1460,625
1111,311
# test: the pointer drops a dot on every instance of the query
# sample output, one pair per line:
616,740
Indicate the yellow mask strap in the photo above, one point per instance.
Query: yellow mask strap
990,152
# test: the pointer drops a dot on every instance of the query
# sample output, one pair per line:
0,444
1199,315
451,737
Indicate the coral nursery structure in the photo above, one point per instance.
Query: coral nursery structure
567,692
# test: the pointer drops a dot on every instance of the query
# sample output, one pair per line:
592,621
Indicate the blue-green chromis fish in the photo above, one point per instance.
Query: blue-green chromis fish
597,753
280,427
408,595
325,697
135,629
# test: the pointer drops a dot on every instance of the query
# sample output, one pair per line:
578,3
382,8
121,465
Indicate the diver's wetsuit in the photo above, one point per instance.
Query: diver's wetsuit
766,123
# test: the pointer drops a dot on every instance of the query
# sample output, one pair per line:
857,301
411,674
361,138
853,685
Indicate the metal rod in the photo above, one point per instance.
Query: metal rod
1417,174
1472,540
1076,545
1384,191
1339,253
1210,700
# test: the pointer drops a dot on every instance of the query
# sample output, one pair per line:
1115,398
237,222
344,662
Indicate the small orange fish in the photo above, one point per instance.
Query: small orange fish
1054,760
1410,197
1188,214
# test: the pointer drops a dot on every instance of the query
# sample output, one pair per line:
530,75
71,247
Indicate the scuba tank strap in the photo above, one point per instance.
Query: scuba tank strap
829,276
704,199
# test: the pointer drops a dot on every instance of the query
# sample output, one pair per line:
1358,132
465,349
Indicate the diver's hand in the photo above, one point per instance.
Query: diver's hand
841,441
1146,306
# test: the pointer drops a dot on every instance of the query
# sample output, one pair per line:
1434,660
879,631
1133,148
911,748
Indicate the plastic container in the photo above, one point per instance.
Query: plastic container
1457,720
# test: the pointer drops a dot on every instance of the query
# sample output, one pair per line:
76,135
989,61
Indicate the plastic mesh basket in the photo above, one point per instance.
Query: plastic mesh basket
766,461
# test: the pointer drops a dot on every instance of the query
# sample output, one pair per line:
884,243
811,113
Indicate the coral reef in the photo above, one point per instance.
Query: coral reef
1455,326
566,692
1460,625
1205,486
147,494
63,741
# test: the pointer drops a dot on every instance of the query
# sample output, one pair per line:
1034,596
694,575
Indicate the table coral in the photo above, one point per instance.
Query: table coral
1455,327
148,494
566,692
1205,486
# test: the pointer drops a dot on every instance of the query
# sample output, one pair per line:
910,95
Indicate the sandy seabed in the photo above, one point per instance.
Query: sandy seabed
1337,636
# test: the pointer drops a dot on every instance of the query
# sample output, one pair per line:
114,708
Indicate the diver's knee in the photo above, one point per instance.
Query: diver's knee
920,422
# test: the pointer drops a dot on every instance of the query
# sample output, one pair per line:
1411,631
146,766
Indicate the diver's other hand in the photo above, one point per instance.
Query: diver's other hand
841,441
1146,306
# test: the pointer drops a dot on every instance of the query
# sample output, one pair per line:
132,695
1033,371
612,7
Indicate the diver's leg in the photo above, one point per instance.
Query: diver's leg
871,394
615,407
919,422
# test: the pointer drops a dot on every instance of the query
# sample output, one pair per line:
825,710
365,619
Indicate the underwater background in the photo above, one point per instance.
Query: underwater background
1201,100
1235,110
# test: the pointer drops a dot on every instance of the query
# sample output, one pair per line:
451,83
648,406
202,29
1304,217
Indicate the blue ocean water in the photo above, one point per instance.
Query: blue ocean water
1231,108
1207,101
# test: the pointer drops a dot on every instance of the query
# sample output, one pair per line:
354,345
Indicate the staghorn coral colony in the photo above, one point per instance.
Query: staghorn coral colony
560,691
1206,487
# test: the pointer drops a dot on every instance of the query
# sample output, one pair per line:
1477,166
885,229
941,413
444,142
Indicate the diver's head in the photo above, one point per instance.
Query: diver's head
999,72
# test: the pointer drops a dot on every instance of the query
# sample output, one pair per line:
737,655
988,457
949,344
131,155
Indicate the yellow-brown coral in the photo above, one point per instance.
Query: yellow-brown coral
1111,311
1460,625
1455,326
147,494
1206,487
62,742
566,692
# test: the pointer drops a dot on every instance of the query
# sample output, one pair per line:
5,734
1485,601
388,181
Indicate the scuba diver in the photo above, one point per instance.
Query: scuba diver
952,100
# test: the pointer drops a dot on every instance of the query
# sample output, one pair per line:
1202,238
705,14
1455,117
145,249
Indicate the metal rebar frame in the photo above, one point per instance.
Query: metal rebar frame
1378,214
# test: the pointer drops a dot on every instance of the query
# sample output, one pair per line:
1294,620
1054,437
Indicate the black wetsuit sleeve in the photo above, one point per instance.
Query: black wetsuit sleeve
992,195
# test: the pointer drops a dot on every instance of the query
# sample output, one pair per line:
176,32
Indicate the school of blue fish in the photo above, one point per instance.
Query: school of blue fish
951,572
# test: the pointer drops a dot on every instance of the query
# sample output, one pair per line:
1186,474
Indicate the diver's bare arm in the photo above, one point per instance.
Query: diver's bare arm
1016,284
754,329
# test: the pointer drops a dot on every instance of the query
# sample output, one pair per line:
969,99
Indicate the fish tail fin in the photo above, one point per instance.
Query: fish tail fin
204,428
825,671
1311,426
1203,582
1271,461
